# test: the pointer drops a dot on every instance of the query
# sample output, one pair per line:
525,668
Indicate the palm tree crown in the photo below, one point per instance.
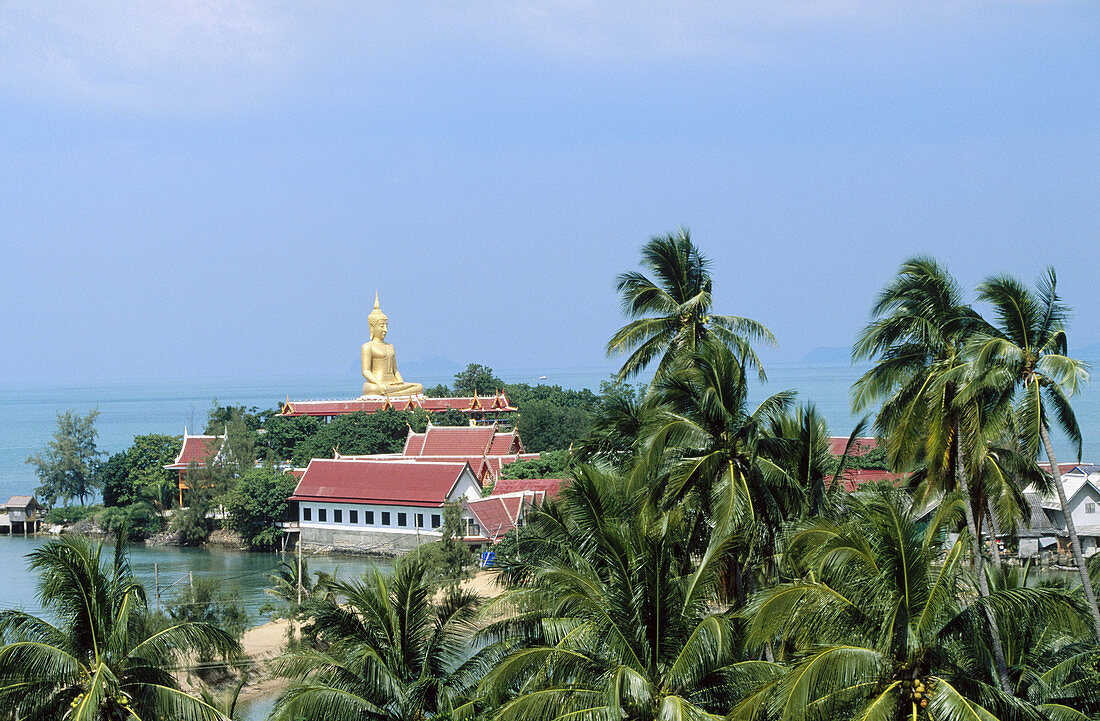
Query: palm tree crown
104,659
673,312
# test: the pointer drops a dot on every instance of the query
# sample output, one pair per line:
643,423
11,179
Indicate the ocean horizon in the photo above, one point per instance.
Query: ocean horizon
28,414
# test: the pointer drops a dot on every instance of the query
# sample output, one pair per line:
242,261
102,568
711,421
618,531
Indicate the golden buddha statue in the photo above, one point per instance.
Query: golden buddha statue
380,363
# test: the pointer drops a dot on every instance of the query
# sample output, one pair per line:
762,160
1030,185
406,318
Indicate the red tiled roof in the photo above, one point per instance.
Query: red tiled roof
451,441
505,444
465,404
861,446
550,486
853,478
498,514
196,449
381,482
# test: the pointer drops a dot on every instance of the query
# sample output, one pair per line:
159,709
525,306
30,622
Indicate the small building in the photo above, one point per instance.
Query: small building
381,506
509,504
20,515
196,452
1081,483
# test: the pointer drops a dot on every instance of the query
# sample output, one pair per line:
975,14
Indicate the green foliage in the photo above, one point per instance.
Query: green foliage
439,391
447,560
477,378
139,519
208,601
193,524
100,656
218,417
68,515
66,467
673,314
283,434
450,417
551,464
360,434
138,473
385,651
257,503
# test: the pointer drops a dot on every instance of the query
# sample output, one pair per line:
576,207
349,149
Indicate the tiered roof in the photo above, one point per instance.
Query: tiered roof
501,512
549,487
498,514
465,404
345,480
468,441
196,449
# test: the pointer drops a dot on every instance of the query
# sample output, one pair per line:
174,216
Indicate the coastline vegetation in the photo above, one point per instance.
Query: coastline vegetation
704,559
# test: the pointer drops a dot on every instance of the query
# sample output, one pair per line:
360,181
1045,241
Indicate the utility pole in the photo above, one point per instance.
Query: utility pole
156,584
299,567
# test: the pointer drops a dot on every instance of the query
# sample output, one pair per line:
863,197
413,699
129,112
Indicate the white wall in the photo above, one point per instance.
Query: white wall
467,488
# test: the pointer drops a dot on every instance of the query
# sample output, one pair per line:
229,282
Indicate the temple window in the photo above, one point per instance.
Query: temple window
436,520
385,518
337,515
322,515
402,519
369,517
307,513
353,516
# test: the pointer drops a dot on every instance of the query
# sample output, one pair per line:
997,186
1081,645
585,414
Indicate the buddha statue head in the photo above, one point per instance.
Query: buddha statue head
377,321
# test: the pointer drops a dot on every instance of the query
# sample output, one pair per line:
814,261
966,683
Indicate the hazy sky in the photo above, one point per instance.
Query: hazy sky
197,189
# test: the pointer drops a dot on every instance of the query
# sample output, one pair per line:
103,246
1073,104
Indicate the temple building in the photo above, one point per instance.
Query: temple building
380,506
197,452
508,506
481,411
485,448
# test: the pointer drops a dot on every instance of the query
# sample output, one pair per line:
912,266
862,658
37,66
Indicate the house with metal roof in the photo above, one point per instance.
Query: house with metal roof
1047,527
20,515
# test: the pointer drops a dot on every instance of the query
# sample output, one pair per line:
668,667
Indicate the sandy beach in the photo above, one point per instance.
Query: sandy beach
266,642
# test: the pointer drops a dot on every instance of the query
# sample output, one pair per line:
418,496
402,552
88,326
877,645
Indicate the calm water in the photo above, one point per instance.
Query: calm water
238,571
28,415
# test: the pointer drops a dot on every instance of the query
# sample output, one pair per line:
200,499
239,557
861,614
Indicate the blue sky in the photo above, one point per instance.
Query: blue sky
196,189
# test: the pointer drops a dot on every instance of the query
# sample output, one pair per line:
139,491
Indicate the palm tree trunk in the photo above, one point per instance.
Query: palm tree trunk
994,547
983,582
1074,542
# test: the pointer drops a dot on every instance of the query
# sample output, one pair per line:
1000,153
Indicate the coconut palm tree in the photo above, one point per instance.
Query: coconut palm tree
101,658
807,455
720,459
1027,353
881,625
621,626
1052,664
918,337
385,651
673,313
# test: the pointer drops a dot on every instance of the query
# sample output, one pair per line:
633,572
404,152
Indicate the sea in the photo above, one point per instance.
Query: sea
28,418
28,413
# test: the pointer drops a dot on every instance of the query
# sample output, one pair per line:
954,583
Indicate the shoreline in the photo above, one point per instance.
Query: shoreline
264,643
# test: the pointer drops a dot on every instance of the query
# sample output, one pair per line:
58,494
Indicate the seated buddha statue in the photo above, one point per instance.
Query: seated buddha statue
380,363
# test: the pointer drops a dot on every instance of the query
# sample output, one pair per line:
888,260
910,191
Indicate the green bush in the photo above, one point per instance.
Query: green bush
68,515
141,519
257,503
192,525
